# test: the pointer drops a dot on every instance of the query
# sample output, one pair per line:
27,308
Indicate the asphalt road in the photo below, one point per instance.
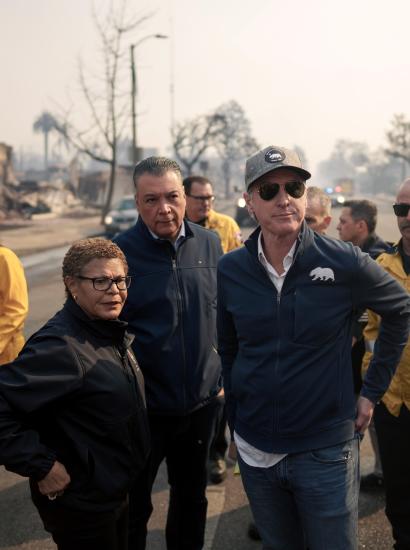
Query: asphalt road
228,513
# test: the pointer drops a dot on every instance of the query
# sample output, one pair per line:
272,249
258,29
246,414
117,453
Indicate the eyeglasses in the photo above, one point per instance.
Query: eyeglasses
105,283
401,210
203,198
268,191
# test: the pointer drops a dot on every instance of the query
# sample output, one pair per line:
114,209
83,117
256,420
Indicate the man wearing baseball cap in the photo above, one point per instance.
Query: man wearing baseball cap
286,302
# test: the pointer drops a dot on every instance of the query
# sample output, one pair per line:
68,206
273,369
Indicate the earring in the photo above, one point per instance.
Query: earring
75,297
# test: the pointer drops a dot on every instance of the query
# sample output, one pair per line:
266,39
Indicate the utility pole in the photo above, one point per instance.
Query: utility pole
171,71
134,94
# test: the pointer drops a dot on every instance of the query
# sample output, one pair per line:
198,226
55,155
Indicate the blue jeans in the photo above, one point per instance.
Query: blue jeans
308,499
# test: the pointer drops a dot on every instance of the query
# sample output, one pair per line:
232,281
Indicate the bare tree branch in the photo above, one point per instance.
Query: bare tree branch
398,138
194,137
227,130
107,106
92,104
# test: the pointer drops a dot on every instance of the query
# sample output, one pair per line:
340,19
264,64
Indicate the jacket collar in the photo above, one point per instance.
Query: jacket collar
374,245
211,218
304,240
143,230
114,330
394,260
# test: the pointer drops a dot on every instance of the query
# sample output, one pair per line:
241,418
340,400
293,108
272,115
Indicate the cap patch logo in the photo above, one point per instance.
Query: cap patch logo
274,155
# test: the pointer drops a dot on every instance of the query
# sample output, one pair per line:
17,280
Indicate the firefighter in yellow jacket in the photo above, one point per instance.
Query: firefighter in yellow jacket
199,201
392,414
13,305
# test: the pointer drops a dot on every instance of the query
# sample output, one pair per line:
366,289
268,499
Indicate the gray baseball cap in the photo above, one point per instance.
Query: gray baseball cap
271,158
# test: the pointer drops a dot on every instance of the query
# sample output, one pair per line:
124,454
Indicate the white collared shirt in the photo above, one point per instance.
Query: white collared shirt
276,279
177,241
250,454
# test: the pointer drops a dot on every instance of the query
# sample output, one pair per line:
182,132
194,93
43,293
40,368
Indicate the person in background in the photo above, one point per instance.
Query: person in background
13,305
72,406
171,309
392,413
199,200
286,301
318,209
357,224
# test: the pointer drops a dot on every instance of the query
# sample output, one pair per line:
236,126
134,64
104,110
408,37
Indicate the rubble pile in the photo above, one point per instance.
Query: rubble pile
30,197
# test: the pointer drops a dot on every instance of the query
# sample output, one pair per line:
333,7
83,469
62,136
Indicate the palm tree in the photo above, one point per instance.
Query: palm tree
45,123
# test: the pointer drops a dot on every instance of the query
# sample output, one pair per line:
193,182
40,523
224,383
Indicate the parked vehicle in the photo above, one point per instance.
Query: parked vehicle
28,210
242,217
341,190
121,217
337,199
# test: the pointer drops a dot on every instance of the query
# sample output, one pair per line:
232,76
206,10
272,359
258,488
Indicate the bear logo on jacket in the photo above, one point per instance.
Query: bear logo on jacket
322,274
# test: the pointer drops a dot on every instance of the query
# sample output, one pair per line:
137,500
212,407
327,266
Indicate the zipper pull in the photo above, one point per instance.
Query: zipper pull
124,362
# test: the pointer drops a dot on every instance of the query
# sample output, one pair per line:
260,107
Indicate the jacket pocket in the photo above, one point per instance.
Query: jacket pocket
81,471
336,454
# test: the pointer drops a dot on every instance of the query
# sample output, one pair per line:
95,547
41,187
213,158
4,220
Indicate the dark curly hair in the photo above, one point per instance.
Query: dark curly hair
83,251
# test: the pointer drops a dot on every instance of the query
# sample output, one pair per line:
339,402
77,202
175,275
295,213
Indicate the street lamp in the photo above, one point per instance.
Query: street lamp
135,155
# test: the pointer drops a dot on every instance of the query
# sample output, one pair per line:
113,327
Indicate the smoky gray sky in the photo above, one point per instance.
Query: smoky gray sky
306,73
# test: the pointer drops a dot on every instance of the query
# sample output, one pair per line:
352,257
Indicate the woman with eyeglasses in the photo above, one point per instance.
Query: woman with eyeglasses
72,406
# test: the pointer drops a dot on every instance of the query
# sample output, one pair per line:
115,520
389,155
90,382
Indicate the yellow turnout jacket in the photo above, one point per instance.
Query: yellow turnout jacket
13,305
399,389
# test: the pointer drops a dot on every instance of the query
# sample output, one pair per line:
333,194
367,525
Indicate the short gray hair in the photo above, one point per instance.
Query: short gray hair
156,166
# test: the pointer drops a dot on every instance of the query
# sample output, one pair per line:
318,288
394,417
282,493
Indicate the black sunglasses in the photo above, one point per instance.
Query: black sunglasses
268,191
401,210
